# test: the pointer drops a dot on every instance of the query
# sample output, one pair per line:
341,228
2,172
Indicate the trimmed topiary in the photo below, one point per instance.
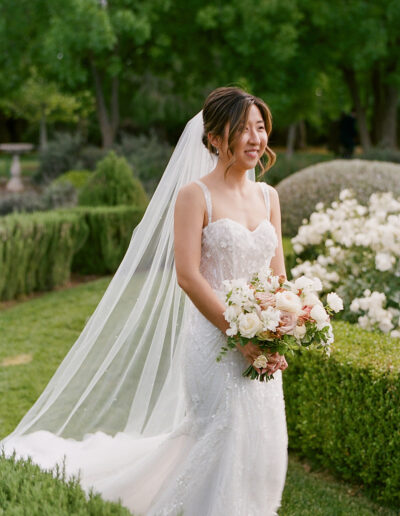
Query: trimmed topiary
323,182
113,184
77,178
342,412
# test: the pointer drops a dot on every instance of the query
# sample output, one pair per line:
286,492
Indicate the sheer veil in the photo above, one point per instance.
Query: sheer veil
123,374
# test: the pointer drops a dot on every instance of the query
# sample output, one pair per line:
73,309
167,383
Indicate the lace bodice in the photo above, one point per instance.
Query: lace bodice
230,250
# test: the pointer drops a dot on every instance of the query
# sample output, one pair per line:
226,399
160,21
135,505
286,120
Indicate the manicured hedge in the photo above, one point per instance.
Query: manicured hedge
36,250
26,489
110,231
344,412
39,250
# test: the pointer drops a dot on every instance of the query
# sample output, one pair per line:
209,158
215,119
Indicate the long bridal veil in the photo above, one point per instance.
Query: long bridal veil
123,373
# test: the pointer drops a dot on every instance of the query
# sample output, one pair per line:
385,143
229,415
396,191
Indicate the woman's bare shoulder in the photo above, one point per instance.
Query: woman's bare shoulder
191,195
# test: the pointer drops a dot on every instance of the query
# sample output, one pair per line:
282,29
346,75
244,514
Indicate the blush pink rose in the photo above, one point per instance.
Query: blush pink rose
287,322
265,299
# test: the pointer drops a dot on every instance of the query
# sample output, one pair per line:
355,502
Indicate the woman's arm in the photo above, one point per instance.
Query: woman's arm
190,209
278,261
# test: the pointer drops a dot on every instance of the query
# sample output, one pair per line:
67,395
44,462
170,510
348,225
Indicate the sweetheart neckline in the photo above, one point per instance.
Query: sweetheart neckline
239,224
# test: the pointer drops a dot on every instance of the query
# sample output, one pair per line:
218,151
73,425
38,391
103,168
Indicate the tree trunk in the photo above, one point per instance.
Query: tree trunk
378,108
291,137
388,138
106,128
43,132
351,81
115,105
302,134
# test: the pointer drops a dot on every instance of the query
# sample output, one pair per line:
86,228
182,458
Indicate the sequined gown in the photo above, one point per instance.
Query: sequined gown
229,456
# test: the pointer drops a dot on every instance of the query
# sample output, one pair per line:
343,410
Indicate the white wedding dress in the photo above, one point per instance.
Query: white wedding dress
229,456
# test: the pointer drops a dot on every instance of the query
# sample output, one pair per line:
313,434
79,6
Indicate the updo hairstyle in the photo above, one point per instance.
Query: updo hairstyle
230,105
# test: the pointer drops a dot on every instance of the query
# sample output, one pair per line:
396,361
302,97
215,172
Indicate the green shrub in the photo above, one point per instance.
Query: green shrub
343,412
300,192
110,231
20,202
27,489
113,184
36,251
378,154
60,155
77,178
285,167
59,195
148,155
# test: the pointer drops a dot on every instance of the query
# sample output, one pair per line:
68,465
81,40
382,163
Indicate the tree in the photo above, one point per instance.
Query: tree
92,43
361,40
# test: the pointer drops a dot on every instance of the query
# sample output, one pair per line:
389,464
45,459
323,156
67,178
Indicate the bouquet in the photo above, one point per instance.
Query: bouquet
279,315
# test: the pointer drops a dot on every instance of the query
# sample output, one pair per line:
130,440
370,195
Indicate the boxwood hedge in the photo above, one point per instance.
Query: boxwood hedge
39,250
343,412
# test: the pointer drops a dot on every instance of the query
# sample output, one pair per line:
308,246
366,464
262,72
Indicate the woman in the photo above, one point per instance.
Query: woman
140,405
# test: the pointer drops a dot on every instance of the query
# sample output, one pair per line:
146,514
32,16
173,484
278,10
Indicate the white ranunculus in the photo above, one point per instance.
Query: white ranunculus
384,261
261,362
300,331
335,302
288,301
319,314
249,325
270,319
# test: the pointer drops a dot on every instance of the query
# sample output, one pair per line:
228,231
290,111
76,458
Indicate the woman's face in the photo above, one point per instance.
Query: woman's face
251,141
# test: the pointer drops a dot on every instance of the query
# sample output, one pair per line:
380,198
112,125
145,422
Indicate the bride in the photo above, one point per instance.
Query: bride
140,407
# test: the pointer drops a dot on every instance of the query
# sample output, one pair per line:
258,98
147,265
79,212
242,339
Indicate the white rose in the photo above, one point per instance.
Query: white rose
232,330
311,299
288,301
355,305
317,285
335,302
261,361
298,248
303,282
319,314
384,261
386,325
299,331
249,325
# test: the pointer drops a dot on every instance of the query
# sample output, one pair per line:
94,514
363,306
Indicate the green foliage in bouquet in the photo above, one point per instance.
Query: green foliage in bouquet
343,413
113,184
110,231
36,250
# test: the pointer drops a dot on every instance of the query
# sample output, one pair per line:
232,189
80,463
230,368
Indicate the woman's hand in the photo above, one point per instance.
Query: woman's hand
275,361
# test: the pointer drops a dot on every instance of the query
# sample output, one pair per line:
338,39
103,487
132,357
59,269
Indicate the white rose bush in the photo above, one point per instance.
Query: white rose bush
355,250
278,315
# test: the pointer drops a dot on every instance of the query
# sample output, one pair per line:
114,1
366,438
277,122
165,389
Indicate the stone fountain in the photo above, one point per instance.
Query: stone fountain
15,183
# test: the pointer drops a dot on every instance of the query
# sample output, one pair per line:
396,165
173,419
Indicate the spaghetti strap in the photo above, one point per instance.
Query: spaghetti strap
207,196
264,188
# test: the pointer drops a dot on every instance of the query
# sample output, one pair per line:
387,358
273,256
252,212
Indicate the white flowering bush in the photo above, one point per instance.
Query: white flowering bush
355,250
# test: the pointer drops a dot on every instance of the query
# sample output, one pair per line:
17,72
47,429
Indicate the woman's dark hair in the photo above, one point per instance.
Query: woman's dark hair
231,105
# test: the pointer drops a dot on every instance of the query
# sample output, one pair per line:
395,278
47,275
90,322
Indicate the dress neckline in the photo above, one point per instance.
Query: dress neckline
239,224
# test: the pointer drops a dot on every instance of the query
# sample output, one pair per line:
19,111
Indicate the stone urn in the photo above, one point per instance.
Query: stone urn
15,183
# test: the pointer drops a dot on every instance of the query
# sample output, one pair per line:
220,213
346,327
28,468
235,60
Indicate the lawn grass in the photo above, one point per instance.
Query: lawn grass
39,332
